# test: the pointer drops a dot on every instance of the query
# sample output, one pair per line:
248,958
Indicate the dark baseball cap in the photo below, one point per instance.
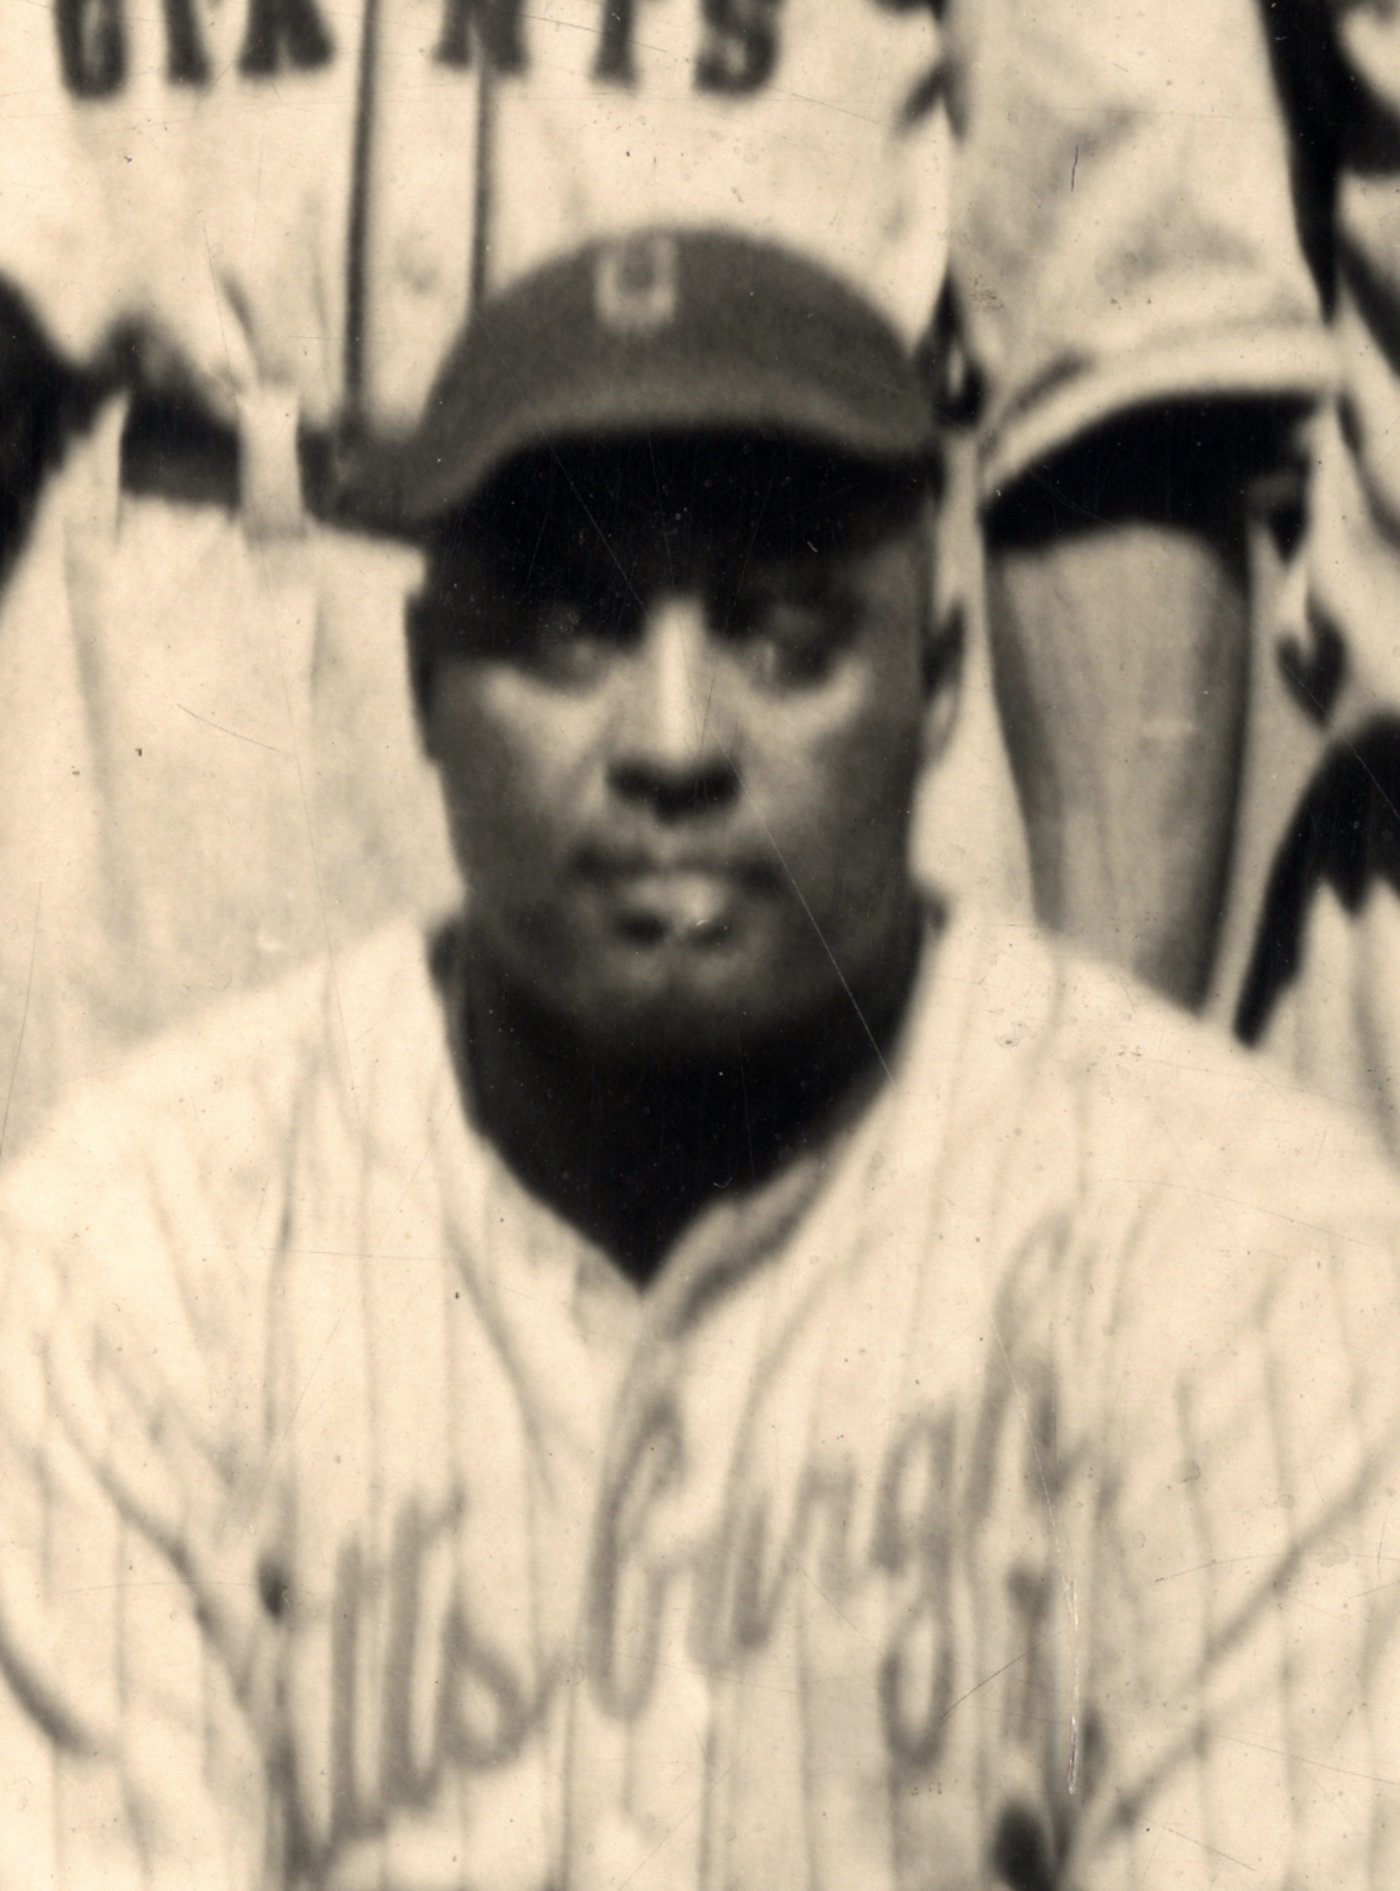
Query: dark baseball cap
664,329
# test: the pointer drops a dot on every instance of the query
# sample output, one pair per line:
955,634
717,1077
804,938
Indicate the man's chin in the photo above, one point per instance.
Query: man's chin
682,1013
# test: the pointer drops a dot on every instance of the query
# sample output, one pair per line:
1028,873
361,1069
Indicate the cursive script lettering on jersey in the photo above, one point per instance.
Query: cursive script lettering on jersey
903,1525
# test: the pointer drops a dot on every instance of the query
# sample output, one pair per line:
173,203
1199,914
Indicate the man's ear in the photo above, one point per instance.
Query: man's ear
944,643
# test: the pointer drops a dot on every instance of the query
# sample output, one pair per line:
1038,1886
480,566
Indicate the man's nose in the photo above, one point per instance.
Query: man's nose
672,743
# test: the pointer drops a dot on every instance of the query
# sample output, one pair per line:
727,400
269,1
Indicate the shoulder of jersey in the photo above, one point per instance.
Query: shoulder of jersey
1171,1099
236,1071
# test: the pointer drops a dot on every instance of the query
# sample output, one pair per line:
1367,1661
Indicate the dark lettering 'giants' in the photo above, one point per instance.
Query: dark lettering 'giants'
614,59
92,46
284,36
186,61
740,48
473,26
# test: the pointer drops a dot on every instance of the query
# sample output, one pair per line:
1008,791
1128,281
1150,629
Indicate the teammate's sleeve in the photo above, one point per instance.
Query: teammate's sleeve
1244,1575
130,1686
1124,230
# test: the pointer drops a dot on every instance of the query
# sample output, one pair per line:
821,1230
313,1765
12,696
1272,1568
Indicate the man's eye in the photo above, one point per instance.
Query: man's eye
565,638
561,622
788,639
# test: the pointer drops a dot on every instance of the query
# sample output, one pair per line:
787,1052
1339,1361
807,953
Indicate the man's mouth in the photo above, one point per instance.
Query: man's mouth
686,894
673,900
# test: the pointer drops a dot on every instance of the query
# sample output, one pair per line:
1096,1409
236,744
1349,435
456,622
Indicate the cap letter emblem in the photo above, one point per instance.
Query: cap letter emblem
636,284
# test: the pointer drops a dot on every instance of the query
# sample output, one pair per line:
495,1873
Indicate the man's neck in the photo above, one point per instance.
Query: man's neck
631,1151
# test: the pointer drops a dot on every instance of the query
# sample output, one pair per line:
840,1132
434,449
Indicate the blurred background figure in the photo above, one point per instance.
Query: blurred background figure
1177,268
200,689
1141,328
1319,983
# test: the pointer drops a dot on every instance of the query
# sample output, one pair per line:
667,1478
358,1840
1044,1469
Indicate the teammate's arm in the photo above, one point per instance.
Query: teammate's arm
1119,611
1130,285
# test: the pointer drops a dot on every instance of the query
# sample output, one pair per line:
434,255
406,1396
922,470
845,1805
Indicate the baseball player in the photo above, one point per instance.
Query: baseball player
707,1369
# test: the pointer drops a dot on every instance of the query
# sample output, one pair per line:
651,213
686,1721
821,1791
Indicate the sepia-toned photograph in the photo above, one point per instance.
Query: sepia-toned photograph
699,945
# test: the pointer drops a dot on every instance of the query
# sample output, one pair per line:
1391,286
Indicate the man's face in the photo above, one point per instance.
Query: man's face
675,691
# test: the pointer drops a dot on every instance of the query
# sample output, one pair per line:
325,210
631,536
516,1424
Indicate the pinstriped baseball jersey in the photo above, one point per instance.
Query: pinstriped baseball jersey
1003,1495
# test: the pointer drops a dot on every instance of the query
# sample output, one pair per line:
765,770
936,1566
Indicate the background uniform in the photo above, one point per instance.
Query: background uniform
1201,212
1318,982
1124,231
210,772
1001,1494
1140,319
